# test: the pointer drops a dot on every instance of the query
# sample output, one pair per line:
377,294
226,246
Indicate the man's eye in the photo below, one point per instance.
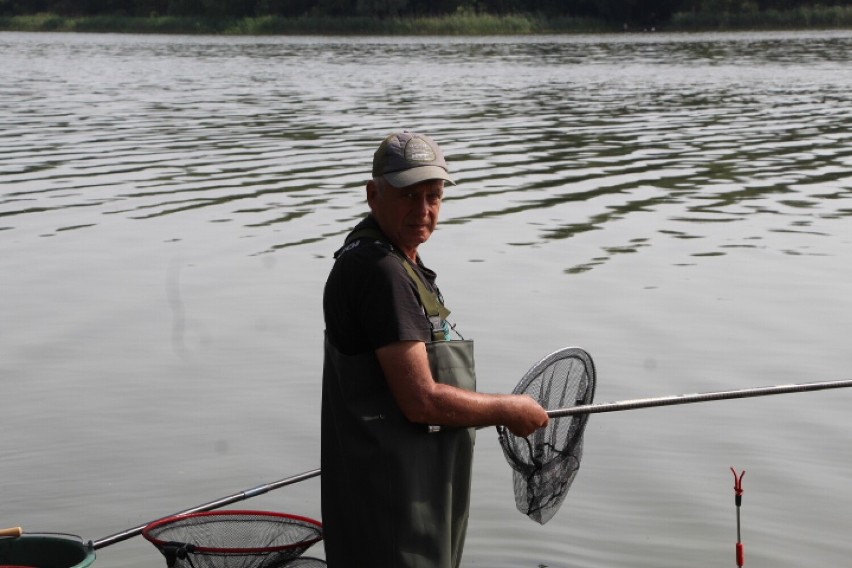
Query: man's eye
415,196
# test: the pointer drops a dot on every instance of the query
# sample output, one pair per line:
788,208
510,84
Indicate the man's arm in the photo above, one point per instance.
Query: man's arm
406,367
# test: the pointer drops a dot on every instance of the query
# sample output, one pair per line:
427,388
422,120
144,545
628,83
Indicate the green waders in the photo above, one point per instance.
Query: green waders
394,495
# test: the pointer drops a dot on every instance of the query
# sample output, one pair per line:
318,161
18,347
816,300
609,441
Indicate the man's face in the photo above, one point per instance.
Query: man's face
406,215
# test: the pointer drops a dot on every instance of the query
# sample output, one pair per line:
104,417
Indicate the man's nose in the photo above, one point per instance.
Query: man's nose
421,203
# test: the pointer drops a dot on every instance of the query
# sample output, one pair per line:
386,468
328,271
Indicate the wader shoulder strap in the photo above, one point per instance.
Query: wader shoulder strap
432,304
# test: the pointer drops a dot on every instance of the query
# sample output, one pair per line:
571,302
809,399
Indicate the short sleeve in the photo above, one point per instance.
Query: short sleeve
370,301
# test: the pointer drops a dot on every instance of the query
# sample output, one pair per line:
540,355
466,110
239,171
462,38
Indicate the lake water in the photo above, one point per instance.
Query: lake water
678,205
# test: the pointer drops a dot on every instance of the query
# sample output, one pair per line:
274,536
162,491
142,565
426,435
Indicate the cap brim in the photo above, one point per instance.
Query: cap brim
412,176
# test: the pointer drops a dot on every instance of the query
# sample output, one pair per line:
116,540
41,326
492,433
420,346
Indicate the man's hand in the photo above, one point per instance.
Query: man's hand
526,416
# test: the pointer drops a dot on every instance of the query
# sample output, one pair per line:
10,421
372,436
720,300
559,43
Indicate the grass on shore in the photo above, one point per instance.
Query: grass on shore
801,18
275,25
826,17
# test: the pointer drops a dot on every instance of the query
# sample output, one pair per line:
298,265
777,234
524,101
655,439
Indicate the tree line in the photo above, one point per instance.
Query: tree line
616,11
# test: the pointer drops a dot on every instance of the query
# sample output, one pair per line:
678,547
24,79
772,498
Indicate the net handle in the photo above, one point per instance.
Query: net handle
209,506
12,531
698,397
554,413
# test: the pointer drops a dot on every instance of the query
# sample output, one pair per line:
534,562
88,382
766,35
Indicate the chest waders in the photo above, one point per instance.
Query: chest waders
394,495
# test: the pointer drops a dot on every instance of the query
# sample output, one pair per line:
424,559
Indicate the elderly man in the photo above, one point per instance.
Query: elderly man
395,492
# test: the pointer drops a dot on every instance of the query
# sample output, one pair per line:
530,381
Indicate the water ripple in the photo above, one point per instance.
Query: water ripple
556,136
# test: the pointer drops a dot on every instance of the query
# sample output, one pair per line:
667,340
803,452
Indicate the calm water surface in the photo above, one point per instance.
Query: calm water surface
679,205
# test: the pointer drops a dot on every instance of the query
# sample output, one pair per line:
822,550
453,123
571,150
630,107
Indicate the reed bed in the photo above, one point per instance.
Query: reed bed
803,17
456,24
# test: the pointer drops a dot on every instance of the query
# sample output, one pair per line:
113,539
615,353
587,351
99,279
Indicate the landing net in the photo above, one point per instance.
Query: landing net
546,463
234,539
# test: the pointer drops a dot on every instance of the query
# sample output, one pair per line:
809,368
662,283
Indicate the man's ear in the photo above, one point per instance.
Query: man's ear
372,192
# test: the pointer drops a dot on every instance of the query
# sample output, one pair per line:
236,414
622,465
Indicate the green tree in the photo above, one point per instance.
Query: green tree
501,7
227,8
150,7
434,7
185,8
285,8
380,8
338,8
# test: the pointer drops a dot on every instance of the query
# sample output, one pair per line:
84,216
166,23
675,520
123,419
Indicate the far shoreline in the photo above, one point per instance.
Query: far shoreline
801,19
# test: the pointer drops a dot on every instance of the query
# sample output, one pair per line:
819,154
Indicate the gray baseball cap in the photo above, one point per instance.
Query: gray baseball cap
407,158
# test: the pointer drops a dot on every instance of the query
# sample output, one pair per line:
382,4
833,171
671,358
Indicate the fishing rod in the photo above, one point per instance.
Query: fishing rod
72,549
554,413
209,506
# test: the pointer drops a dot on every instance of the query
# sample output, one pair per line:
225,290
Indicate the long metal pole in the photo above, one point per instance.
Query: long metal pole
692,398
241,496
555,413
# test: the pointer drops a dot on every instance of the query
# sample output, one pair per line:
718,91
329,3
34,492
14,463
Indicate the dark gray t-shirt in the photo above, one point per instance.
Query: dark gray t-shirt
370,301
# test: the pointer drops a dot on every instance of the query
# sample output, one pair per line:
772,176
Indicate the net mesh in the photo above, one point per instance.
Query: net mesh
234,539
546,463
306,562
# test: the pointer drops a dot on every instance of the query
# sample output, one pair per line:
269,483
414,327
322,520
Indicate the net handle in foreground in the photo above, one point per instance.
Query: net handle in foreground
209,506
692,398
12,531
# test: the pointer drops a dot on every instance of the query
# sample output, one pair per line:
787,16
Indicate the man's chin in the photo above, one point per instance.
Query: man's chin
420,235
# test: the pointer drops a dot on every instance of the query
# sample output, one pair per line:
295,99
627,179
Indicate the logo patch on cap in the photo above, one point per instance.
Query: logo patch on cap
418,150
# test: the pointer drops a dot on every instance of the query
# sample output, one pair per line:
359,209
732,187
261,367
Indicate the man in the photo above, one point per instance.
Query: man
395,492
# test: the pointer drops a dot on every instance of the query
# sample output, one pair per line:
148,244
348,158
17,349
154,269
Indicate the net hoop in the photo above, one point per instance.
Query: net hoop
564,353
165,532
519,460
546,462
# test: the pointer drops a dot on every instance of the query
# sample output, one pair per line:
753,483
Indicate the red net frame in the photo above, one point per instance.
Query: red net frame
233,539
